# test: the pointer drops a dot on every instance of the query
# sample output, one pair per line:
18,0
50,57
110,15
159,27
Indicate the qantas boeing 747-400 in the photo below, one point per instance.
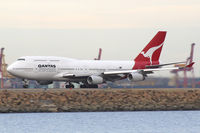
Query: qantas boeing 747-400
90,73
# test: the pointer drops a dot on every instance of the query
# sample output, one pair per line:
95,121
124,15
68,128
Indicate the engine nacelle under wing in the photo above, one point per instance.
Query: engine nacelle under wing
94,80
135,77
45,82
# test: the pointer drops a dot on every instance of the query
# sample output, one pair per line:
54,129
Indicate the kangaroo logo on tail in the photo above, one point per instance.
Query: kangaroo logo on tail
150,52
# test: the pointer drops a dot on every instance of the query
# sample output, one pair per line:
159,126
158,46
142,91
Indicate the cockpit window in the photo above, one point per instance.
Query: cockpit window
21,59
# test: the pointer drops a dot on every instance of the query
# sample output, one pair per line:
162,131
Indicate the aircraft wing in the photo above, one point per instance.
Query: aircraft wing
139,70
65,75
70,75
116,75
145,71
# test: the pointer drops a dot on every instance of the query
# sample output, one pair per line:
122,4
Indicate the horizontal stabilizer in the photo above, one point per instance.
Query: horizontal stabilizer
190,65
161,65
187,66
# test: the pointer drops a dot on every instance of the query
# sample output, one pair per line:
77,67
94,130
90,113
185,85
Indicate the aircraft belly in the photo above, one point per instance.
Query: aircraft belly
42,76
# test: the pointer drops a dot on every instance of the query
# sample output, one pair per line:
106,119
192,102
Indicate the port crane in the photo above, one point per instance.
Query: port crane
185,70
99,55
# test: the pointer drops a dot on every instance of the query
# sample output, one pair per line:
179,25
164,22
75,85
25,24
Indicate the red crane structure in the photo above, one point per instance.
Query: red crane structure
1,66
189,60
99,55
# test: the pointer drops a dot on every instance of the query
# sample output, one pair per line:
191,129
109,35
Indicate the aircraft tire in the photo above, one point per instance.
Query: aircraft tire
88,86
93,86
25,86
83,86
69,86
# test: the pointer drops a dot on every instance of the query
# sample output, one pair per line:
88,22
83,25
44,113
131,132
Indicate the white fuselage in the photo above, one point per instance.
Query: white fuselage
53,68
90,73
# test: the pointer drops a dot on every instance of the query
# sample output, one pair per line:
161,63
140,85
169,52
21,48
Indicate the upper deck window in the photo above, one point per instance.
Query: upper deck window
21,59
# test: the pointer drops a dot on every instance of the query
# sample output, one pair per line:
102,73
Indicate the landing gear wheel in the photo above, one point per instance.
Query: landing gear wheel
25,83
25,86
83,86
70,85
88,86
93,86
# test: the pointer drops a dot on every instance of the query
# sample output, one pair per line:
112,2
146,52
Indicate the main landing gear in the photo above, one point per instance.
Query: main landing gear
69,85
82,85
88,86
25,83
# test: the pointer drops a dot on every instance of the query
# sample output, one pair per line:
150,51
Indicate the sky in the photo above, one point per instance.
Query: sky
77,28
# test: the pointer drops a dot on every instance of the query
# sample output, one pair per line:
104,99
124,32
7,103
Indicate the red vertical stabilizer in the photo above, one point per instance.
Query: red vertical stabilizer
151,53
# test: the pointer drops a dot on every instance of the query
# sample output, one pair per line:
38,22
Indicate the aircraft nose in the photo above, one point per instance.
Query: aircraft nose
10,69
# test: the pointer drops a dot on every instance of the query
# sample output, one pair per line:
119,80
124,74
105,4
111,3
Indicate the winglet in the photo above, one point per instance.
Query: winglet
190,65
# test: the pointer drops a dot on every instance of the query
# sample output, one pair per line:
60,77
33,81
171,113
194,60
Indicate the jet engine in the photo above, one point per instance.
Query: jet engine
135,77
94,80
45,82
